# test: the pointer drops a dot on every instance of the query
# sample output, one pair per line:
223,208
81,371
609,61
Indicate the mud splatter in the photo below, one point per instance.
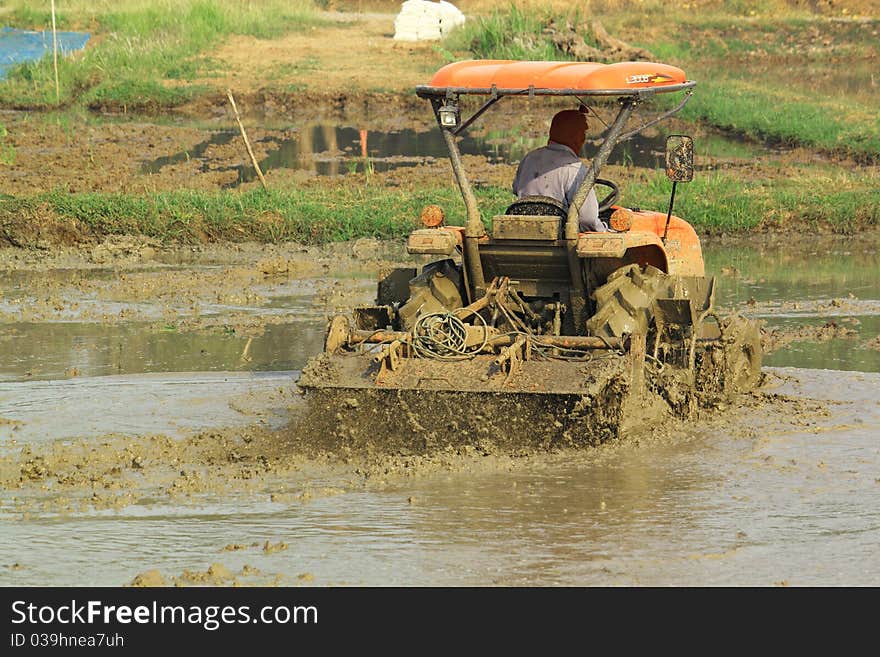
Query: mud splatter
217,574
778,338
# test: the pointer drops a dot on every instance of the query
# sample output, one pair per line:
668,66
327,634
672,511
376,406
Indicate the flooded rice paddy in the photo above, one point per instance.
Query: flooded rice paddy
144,402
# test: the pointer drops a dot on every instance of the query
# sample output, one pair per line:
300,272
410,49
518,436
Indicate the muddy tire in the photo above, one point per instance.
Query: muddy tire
623,303
743,353
337,333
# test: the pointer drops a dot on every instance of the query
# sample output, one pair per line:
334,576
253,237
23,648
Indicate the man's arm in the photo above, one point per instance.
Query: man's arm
588,216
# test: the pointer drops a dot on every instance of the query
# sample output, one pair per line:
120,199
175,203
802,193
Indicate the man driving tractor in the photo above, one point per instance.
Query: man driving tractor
556,171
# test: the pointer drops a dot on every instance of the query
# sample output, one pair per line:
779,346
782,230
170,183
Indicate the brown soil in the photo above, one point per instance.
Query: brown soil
371,60
111,157
283,78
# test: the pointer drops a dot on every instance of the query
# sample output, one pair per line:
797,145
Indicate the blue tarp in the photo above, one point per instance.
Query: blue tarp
17,46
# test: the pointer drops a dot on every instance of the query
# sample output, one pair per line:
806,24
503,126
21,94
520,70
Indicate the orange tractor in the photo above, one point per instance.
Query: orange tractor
524,328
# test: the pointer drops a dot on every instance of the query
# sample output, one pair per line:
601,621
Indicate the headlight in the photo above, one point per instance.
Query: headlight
449,116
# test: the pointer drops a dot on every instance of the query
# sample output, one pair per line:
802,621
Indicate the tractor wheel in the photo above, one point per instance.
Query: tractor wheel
743,353
623,303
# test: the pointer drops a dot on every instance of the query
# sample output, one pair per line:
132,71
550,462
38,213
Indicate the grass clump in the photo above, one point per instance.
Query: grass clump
718,202
512,33
7,150
139,46
310,216
714,203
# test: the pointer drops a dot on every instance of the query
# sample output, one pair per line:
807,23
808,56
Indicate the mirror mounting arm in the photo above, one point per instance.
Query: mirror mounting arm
658,119
669,213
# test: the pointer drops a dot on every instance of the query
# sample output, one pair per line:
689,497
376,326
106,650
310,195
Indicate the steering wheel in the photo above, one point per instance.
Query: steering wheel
612,197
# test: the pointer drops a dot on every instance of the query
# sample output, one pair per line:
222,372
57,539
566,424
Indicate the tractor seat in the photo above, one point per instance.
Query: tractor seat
544,206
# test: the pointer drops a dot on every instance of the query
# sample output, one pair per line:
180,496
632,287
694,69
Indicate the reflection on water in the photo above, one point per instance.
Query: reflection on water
806,282
331,150
59,350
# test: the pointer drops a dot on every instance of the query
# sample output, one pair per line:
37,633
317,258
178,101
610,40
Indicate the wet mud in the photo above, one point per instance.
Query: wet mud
777,338
232,484
774,435
296,463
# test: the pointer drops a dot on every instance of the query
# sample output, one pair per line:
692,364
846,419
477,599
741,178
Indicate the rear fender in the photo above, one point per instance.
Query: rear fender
643,248
683,251
681,255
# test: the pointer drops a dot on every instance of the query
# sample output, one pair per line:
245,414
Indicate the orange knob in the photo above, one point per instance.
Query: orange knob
621,219
432,216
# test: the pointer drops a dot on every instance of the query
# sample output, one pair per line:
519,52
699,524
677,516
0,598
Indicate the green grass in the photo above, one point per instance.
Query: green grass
140,46
714,203
7,150
786,115
715,36
513,33
305,216
720,202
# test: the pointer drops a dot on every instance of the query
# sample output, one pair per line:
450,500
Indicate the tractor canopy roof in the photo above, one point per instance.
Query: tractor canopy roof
507,77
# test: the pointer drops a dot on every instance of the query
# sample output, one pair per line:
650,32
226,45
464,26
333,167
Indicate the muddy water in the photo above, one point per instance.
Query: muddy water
783,489
795,286
334,150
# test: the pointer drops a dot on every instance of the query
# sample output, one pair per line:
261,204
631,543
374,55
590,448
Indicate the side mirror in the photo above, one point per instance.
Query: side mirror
679,158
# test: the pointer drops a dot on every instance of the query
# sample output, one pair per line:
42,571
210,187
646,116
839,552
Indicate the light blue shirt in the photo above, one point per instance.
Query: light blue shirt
556,171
